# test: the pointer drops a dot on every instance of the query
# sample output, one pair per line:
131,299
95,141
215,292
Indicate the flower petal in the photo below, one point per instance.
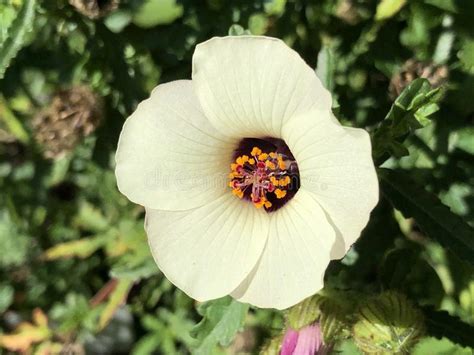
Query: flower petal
169,156
289,342
208,251
336,166
309,340
249,86
295,257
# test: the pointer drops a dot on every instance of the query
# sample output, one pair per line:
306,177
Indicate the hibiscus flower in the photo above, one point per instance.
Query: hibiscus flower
251,185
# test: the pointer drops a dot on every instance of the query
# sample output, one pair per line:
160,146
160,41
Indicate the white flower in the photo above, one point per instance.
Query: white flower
174,158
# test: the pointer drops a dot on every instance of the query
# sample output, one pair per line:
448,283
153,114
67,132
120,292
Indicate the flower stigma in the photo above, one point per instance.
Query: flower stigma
263,177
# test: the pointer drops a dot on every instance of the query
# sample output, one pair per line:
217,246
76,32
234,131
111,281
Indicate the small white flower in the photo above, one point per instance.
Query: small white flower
255,110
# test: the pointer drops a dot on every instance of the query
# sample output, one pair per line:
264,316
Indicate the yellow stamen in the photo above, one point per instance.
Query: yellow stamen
270,165
244,173
280,193
285,181
242,160
259,204
256,151
274,181
263,156
237,192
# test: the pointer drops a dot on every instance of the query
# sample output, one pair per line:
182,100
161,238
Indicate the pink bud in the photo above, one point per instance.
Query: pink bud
289,342
306,341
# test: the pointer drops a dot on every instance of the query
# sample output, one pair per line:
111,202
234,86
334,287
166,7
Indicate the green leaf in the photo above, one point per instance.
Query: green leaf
441,324
258,24
388,8
91,218
466,55
447,5
81,248
7,16
135,268
118,20
396,267
14,243
443,346
222,319
157,12
410,111
6,297
274,7
116,299
326,67
434,218
466,299
16,35
13,125
146,345
237,30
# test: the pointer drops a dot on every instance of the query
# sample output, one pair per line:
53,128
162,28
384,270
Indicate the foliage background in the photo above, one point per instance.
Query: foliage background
74,261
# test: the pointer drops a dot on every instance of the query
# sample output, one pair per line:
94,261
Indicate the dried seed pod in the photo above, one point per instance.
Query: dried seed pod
73,114
437,75
94,8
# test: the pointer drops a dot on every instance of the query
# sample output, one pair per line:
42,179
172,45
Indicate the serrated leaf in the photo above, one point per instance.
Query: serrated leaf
27,334
434,218
222,319
16,35
441,324
410,111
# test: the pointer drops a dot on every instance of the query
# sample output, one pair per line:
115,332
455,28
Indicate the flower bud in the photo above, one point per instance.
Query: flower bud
304,313
388,324
308,340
